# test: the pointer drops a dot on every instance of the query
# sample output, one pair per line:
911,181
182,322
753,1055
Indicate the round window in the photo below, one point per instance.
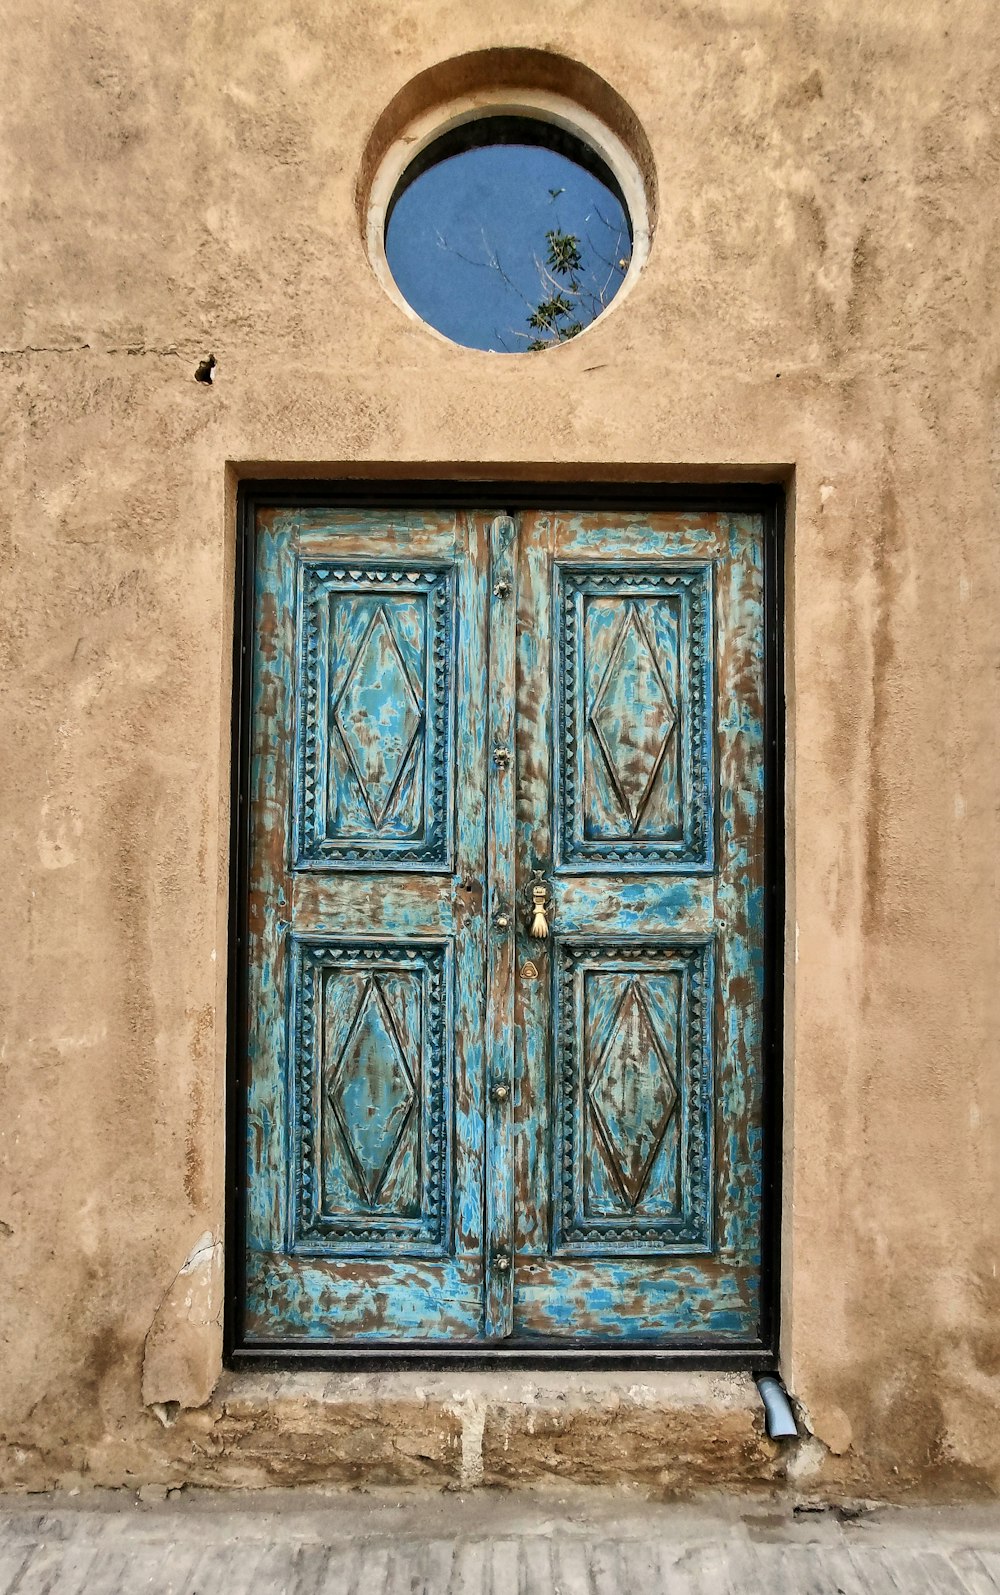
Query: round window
508,234
508,227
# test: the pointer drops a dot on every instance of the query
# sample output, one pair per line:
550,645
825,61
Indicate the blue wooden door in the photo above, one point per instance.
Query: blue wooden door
640,808
365,1114
504,930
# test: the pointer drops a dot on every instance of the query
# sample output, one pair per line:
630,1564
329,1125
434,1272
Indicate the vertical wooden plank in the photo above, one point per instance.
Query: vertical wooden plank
533,1003
499,1259
365,1111
637,714
267,909
740,895
468,891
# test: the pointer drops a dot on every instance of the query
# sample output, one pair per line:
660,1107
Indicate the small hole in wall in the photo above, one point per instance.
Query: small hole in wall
205,370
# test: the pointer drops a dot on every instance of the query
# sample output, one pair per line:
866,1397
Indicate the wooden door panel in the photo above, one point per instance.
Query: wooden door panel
603,903
365,1110
371,1075
633,749
377,903
638,1115
302,1303
632,1112
500,888
457,1134
615,1304
374,764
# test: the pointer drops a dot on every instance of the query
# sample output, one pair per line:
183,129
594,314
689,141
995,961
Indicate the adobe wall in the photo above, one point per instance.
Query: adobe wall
820,307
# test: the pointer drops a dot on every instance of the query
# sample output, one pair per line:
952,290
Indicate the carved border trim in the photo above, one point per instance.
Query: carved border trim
310,1231
312,848
694,584
692,1232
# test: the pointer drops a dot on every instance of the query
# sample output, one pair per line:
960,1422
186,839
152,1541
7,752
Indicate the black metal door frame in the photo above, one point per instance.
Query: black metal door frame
751,498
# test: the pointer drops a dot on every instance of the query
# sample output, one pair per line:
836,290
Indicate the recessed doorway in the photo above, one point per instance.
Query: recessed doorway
509,916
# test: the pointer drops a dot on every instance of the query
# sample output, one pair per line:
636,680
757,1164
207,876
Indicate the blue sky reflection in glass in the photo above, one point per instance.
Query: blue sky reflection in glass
469,244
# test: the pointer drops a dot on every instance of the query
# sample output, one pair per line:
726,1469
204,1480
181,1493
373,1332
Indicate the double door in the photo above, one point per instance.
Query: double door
505,931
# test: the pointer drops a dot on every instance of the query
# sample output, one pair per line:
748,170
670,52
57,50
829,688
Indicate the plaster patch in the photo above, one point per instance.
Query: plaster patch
805,1460
182,1358
472,1415
832,1427
67,1045
54,847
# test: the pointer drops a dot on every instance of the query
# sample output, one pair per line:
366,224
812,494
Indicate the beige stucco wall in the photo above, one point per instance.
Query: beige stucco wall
819,304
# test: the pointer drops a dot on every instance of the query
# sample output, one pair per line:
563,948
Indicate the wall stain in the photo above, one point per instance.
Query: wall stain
194,1166
886,549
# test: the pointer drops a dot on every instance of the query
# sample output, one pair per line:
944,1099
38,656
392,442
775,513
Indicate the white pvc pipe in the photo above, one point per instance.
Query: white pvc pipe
778,1415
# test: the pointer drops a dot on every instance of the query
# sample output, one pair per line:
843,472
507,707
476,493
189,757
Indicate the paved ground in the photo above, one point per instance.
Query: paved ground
559,1543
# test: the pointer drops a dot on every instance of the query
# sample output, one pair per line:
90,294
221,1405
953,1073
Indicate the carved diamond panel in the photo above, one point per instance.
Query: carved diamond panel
378,715
374,740
369,1080
632,1094
634,1087
371,1092
633,785
634,716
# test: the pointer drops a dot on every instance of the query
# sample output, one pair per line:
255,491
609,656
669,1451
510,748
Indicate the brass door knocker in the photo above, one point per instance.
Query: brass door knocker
540,910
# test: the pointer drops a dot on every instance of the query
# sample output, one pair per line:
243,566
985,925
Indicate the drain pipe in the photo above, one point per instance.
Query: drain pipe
779,1419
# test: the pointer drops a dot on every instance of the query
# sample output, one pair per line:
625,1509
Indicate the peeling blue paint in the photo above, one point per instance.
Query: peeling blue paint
443,705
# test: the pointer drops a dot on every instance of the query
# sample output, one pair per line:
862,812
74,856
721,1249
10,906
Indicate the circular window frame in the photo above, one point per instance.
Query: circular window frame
425,129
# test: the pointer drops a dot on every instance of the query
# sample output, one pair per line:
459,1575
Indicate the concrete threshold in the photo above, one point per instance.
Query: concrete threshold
671,1430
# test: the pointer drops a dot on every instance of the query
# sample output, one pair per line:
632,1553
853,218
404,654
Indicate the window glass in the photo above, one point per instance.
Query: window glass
508,234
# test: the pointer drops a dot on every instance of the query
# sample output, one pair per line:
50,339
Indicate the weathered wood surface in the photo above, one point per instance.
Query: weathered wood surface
638,1123
367,929
602,1544
456,1132
500,887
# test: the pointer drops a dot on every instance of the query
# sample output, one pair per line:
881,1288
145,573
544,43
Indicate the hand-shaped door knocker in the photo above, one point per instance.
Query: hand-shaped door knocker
540,911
